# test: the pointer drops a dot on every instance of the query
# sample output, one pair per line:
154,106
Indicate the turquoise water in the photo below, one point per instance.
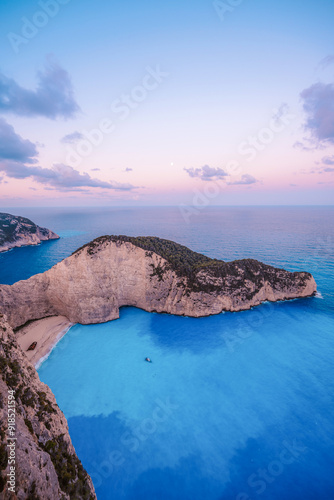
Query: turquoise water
235,406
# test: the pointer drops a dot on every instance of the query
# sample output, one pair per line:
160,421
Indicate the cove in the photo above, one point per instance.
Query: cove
232,406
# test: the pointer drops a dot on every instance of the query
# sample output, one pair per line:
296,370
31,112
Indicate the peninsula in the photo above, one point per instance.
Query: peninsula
152,274
18,231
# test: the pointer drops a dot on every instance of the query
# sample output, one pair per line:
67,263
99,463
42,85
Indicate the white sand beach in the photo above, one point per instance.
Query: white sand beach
46,332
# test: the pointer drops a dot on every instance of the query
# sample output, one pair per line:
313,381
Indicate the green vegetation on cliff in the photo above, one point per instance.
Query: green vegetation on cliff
9,226
37,413
18,231
182,259
201,272
71,474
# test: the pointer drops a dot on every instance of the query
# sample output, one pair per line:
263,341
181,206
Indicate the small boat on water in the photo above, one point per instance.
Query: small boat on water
32,346
148,360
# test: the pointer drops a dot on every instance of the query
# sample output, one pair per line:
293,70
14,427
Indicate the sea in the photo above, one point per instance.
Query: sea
237,406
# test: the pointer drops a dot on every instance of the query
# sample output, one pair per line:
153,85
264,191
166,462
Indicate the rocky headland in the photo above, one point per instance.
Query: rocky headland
152,274
18,231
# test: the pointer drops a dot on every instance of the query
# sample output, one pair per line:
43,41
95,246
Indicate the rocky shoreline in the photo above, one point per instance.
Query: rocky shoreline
111,272
43,461
18,231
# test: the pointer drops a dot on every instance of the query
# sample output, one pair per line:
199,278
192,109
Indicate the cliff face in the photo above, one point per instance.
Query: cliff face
111,272
46,466
19,231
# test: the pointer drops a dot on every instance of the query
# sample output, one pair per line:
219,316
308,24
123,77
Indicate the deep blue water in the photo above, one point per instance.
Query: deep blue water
234,406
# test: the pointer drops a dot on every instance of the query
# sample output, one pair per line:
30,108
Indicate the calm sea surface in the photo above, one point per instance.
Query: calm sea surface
237,406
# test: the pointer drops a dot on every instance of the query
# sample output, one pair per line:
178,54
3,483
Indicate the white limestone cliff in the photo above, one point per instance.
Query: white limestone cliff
91,285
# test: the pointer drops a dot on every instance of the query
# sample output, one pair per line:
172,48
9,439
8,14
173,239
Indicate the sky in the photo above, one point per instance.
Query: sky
189,103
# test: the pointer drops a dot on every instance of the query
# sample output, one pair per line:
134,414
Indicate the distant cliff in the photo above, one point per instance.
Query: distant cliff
44,460
18,231
149,273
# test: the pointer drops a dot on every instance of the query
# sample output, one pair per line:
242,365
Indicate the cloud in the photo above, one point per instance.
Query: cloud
128,169
72,138
328,160
60,176
309,144
95,169
13,147
318,104
326,61
309,147
18,161
53,97
245,179
300,145
206,173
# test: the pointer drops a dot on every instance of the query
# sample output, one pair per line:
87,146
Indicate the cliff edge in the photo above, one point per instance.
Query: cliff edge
149,273
37,458
18,231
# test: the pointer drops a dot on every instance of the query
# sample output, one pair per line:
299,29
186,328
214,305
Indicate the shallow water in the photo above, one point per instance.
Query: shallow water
223,397
234,406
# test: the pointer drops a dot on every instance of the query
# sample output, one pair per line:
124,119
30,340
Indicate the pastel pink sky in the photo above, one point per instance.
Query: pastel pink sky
160,104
